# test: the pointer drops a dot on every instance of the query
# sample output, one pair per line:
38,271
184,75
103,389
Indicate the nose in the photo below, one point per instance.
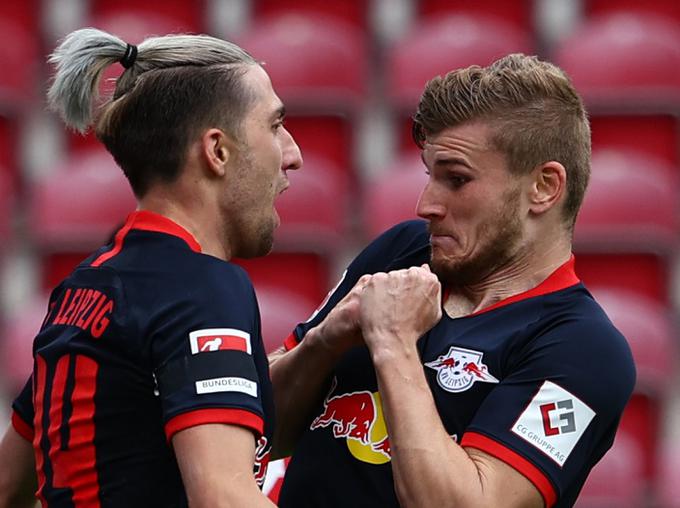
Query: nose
429,207
291,157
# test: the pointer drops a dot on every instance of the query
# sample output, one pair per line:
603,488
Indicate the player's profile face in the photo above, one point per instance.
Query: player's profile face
260,163
472,202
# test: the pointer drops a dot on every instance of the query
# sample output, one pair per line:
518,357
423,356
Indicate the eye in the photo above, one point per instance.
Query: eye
278,124
457,181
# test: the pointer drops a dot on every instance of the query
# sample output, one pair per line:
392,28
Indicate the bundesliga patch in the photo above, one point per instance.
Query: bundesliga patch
554,421
219,339
460,368
227,384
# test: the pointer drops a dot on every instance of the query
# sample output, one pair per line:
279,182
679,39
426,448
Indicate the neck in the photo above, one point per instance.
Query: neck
524,271
193,215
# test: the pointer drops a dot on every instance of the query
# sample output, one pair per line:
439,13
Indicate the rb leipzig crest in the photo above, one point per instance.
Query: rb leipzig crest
459,369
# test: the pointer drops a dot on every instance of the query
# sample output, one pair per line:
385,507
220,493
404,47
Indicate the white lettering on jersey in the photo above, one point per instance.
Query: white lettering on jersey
227,384
554,421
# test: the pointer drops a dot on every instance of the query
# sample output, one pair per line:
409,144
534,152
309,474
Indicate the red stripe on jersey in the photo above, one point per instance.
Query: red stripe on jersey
38,404
117,245
562,278
147,221
239,417
23,429
290,342
150,221
515,460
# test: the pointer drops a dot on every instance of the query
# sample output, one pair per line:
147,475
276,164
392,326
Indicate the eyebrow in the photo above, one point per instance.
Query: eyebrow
280,112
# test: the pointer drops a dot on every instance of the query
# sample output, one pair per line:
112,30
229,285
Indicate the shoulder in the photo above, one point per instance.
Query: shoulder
405,244
590,349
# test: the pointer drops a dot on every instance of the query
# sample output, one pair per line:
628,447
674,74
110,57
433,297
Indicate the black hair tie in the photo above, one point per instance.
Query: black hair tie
129,57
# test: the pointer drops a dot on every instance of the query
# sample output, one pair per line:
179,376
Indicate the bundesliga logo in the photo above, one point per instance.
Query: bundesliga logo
459,369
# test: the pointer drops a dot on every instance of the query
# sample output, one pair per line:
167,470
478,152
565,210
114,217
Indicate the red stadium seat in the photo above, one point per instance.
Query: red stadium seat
318,66
616,481
25,13
437,46
304,274
653,339
627,57
6,210
668,484
315,62
393,196
76,209
349,11
16,346
182,15
627,230
281,311
669,8
519,12
631,204
314,209
627,67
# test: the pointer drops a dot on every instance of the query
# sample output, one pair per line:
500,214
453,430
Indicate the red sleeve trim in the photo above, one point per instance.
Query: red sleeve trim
23,429
513,459
240,417
290,342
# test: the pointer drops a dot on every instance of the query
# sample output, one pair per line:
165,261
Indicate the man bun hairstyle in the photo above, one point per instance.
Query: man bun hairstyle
534,112
173,88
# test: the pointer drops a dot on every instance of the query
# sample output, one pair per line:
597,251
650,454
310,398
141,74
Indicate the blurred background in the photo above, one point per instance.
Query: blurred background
350,73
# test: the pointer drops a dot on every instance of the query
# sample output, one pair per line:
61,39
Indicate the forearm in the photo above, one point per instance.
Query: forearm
17,472
429,468
300,379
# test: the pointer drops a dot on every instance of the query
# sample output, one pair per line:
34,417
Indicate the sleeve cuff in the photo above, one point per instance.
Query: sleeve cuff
290,342
23,429
241,417
514,460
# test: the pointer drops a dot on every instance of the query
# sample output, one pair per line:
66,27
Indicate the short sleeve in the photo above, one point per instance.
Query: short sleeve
402,246
555,414
203,353
22,411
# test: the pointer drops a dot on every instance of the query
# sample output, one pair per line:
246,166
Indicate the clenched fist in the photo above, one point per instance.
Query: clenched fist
398,307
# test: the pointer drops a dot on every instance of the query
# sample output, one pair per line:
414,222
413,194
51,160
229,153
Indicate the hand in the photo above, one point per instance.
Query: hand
341,329
398,307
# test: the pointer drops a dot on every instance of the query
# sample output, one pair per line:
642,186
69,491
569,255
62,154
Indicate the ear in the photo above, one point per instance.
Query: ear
548,185
215,151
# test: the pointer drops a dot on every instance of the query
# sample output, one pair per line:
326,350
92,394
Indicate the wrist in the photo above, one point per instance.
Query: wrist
319,340
386,348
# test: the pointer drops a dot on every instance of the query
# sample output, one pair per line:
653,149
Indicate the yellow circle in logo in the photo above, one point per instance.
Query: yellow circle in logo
377,451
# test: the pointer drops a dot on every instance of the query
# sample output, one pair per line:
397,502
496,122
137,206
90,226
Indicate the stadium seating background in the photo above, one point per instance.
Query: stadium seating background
350,73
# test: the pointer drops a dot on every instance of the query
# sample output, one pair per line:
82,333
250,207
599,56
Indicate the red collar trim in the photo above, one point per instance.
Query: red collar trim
150,221
562,278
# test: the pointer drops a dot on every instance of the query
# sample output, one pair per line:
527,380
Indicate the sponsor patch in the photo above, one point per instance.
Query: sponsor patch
459,369
554,421
227,384
219,339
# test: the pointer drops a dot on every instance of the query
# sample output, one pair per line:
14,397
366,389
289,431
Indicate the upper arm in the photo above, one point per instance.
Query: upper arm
17,471
555,413
503,484
210,365
216,463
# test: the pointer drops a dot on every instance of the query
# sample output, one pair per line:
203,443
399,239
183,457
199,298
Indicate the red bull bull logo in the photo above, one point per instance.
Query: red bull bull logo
357,417
459,369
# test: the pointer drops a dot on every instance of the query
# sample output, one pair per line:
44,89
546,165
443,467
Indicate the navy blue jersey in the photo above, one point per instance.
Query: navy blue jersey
147,337
538,380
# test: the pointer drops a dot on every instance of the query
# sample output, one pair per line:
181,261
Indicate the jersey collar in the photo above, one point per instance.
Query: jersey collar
562,278
145,220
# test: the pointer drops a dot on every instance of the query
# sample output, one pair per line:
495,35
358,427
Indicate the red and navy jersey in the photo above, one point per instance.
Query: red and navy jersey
145,338
538,380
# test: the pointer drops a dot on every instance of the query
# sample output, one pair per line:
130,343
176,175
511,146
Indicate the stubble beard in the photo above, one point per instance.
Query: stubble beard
501,245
